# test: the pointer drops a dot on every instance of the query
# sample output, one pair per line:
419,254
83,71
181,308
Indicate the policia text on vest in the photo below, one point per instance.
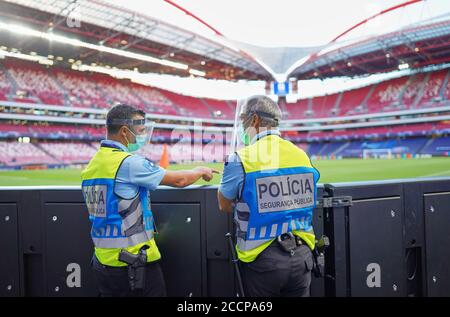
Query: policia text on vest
125,260
285,192
273,217
119,225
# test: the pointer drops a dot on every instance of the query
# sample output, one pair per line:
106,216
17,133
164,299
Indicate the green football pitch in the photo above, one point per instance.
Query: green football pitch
347,170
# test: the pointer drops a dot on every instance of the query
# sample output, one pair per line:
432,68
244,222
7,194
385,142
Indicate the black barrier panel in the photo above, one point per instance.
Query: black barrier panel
376,247
9,246
437,228
221,279
184,250
318,284
68,248
179,240
437,224
68,251
67,245
367,256
397,229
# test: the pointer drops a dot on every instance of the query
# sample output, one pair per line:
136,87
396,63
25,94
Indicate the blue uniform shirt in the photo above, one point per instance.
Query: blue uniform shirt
233,172
134,172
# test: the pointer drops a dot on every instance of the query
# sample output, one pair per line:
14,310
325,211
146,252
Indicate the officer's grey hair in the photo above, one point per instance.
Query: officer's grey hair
267,109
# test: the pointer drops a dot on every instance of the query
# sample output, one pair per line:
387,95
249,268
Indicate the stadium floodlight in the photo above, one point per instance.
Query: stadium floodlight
196,72
50,36
403,66
45,62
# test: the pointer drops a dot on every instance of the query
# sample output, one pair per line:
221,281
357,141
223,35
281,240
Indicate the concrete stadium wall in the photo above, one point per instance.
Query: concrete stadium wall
393,241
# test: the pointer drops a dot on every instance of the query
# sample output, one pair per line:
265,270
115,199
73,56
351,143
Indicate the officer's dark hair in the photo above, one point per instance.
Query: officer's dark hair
121,112
265,108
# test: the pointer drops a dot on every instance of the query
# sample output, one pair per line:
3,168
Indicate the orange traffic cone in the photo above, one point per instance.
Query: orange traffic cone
164,162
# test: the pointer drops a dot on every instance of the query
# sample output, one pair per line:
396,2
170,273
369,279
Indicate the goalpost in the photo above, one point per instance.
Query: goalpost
377,153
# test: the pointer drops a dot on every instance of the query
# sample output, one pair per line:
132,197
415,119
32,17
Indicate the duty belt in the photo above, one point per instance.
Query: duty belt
287,242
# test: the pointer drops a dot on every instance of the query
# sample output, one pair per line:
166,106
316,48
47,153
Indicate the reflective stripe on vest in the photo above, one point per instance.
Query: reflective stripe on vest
116,222
279,192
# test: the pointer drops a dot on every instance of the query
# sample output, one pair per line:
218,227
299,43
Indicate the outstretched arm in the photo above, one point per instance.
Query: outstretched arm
185,178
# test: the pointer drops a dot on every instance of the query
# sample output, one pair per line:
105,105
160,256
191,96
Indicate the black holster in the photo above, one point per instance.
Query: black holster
136,267
287,242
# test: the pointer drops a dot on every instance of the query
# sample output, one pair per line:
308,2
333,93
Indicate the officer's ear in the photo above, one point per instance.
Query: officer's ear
256,121
123,133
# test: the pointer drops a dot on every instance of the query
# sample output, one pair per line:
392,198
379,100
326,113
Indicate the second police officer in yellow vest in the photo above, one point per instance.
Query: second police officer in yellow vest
270,186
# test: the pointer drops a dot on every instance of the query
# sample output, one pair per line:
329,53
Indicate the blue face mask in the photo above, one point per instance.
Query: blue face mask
141,140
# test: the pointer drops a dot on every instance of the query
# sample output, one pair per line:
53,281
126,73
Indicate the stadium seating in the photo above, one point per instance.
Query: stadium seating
298,110
69,153
386,95
81,91
371,132
17,130
323,106
32,79
154,100
52,130
354,149
447,91
351,102
431,92
5,85
437,146
220,109
415,91
188,106
34,83
17,154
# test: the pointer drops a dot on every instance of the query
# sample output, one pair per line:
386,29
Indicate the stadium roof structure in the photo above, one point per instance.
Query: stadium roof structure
100,23
103,34
423,40
415,46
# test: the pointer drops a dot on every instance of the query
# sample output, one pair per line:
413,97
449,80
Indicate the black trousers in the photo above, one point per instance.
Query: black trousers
275,273
113,281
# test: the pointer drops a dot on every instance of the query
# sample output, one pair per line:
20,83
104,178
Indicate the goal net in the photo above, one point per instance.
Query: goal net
377,153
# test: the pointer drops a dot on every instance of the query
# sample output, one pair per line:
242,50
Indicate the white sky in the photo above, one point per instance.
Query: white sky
277,23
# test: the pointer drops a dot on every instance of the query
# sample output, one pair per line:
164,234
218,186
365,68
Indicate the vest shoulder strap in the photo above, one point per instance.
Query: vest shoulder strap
272,152
105,163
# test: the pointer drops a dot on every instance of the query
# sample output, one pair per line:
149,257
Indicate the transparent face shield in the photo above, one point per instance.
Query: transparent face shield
243,131
149,126
140,128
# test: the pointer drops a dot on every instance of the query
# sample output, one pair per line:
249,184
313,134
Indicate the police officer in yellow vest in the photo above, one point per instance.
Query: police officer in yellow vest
270,186
116,186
